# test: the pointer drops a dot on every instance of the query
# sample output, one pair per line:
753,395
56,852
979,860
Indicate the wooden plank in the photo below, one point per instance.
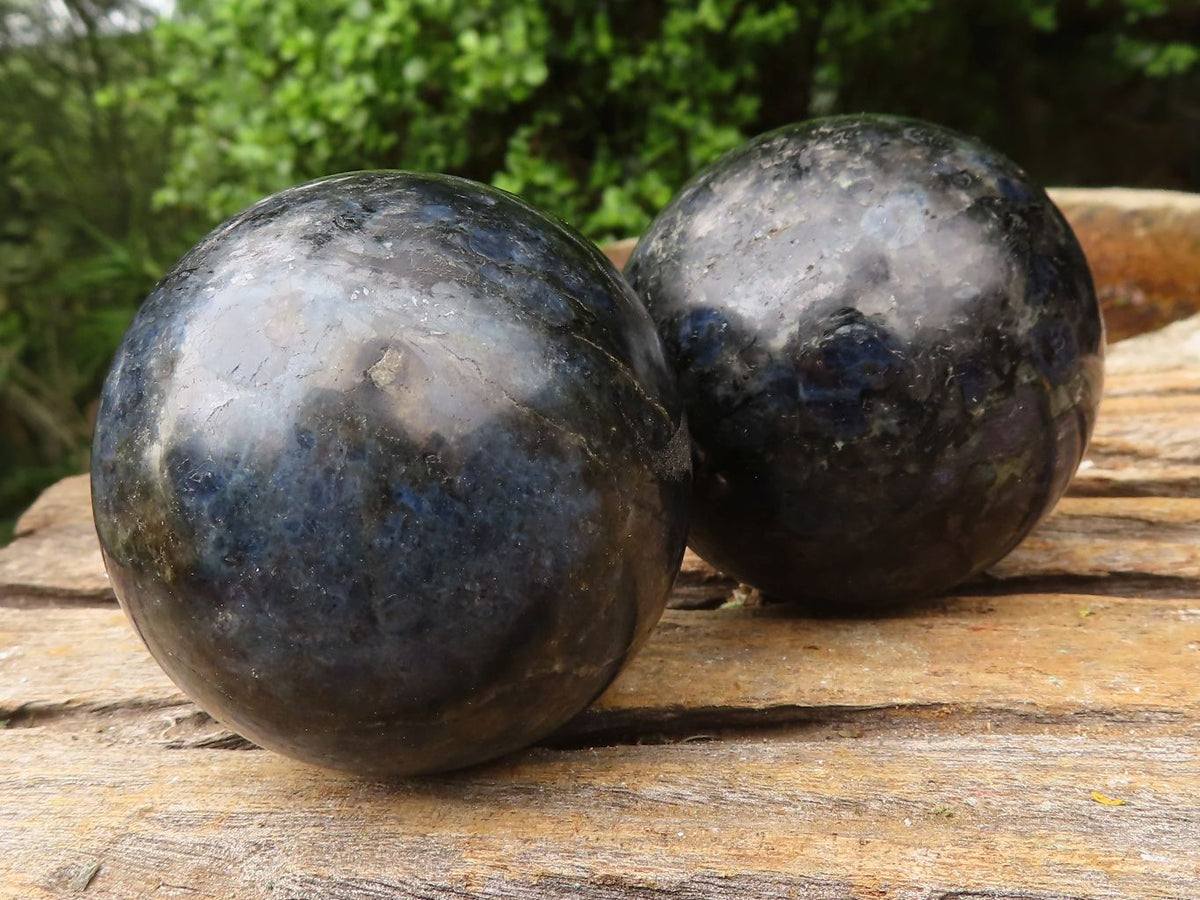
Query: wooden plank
1049,658
970,747
1148,430
55,555
913,813
1053,652
1131,546
56,660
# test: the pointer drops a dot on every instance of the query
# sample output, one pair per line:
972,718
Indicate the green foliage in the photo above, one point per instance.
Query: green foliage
77,251
594,110
597,110
125,139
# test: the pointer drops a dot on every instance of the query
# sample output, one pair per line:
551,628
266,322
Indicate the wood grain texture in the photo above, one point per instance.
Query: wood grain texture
55,555
1035,737
1038,655
917,812
1147,440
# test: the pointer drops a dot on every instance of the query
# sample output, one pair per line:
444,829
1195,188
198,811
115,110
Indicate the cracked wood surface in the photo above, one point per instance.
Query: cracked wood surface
1035,737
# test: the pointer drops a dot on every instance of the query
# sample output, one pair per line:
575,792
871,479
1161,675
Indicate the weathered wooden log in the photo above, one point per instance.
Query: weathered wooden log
1035,736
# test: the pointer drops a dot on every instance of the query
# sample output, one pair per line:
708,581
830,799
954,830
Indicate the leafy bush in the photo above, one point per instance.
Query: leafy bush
79,244
598,111
593,110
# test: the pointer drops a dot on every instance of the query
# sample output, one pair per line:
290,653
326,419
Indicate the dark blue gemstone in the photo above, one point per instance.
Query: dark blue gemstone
390,473
890,352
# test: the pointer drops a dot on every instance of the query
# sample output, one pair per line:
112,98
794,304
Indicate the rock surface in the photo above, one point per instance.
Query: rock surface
1144,251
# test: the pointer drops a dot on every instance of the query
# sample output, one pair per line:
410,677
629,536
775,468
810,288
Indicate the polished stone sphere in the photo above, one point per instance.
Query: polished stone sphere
390,473
890,352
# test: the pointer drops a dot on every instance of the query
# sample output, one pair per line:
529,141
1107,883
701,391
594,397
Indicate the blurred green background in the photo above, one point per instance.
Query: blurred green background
131,127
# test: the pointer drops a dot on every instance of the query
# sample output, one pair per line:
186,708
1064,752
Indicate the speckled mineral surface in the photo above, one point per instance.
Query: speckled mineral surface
890,353
390,473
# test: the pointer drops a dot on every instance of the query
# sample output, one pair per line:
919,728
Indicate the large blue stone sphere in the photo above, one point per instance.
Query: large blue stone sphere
890,352
390,473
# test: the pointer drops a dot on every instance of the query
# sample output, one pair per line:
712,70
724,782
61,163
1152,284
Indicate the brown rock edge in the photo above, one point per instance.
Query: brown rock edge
1035,737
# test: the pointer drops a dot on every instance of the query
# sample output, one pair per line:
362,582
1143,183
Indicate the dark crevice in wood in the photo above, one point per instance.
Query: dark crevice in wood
745,886
700,589
126,723
654,727
1146,487
39,715
634,727
1141,585
16,597
1137,450
1131,527
1169,391
697,601
226,740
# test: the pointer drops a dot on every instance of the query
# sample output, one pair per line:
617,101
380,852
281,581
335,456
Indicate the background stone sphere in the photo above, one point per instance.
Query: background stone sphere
890,352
